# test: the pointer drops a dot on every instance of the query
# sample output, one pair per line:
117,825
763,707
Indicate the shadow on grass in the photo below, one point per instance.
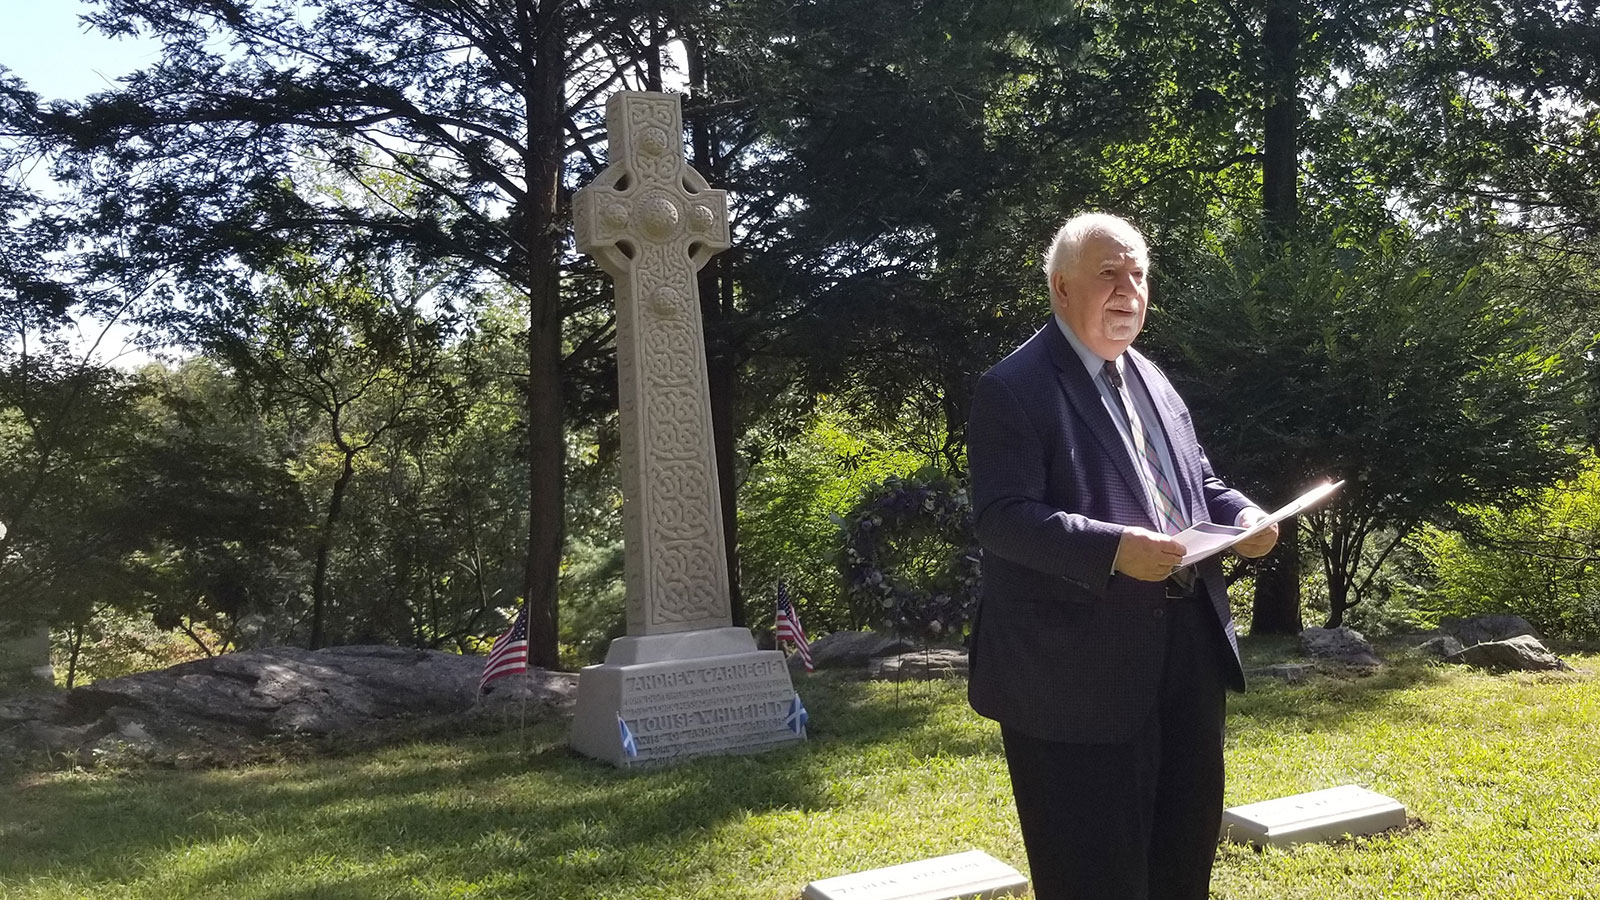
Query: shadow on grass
517,812
1332,694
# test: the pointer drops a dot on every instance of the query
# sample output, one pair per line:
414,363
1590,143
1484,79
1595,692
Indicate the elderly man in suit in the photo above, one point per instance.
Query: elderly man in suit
1105,663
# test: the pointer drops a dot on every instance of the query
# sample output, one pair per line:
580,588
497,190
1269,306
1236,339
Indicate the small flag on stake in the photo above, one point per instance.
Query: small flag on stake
797,717
509,655
629,745
788,627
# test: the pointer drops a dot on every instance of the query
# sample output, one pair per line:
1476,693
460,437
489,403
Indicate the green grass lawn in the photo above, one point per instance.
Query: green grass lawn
1500,770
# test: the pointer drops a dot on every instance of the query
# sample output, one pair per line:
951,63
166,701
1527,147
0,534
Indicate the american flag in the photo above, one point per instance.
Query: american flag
789,629
509,655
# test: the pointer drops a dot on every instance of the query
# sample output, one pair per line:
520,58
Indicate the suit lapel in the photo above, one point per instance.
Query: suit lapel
1163,401
1085,400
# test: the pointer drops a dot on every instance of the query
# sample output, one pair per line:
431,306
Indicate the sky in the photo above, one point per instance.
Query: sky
43,43
59,57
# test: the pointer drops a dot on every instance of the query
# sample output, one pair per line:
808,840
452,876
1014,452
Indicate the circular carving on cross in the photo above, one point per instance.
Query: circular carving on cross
701,219
658,216
653,141
668,301
615,216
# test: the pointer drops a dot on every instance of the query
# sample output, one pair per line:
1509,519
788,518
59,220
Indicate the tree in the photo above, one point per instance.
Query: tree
1538,560
188,169
1404,365
364,364
898,169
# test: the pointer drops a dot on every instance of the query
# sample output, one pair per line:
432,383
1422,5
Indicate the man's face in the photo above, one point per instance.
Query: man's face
1104,297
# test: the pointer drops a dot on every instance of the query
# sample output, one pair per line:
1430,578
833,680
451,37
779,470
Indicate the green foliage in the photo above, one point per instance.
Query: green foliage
197,496
1404,366
784,519
112,643
1540,560
895,168
69,437
593,596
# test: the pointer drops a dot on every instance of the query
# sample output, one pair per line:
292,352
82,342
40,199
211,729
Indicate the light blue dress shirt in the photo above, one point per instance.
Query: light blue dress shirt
1142,405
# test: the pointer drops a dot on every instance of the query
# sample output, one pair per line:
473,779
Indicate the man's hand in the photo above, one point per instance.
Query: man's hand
1147,555
1261,544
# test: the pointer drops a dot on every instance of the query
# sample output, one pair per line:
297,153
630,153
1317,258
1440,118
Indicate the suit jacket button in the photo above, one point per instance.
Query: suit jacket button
1159,612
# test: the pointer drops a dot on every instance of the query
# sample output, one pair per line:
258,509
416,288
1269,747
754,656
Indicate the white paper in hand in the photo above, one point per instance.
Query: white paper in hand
1207,539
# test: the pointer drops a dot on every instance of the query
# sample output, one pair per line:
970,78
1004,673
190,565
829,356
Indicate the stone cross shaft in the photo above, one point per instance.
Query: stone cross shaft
652,222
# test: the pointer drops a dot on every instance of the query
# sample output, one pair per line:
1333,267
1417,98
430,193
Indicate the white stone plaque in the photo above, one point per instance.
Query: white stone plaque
970,874
683,682
1345,811
685,707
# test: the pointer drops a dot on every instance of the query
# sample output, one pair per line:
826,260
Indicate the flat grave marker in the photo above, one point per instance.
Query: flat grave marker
1331,814
959,875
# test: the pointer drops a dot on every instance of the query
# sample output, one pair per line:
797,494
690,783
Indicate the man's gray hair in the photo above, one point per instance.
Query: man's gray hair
1068,244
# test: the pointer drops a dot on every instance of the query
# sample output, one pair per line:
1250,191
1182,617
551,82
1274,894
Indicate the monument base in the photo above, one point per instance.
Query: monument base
694,693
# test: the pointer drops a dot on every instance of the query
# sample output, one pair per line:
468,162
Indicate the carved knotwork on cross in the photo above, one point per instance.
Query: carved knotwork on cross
652,222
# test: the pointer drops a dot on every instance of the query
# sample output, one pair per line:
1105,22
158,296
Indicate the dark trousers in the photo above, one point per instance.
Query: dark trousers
1133,821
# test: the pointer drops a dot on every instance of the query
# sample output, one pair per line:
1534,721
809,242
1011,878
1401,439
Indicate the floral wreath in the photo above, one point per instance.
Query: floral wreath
935,505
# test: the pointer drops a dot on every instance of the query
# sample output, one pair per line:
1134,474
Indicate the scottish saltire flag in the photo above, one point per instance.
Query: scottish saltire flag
629,746
509,655
797,717
788,627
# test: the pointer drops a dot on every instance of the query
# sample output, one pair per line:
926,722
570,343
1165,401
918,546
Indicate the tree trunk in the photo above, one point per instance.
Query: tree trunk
319,577
722,366
956,400
1276,609
1280,156
74,653
542,42
723,373
1338,596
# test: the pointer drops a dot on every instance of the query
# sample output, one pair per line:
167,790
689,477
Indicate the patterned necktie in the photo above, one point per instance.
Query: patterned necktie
1169,511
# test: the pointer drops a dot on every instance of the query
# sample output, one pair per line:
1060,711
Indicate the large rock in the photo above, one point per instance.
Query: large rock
854,649
220,706
920,665
1343,645
1481,629
1523,652
1440,646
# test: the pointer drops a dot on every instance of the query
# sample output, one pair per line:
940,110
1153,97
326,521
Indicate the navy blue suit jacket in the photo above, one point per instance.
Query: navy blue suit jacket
1063,649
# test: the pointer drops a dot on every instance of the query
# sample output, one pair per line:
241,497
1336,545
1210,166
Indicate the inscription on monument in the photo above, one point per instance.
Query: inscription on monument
710,704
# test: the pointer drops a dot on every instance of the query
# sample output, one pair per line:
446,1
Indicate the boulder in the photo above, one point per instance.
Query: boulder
1343,645
853,649
221,706
920,665
1481,629
1440,646
1522,652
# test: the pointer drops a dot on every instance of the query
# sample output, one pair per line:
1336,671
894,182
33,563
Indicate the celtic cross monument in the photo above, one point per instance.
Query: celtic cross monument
683,681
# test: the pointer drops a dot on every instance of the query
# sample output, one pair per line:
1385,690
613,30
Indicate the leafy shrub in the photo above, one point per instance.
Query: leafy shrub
786,507
1538,561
